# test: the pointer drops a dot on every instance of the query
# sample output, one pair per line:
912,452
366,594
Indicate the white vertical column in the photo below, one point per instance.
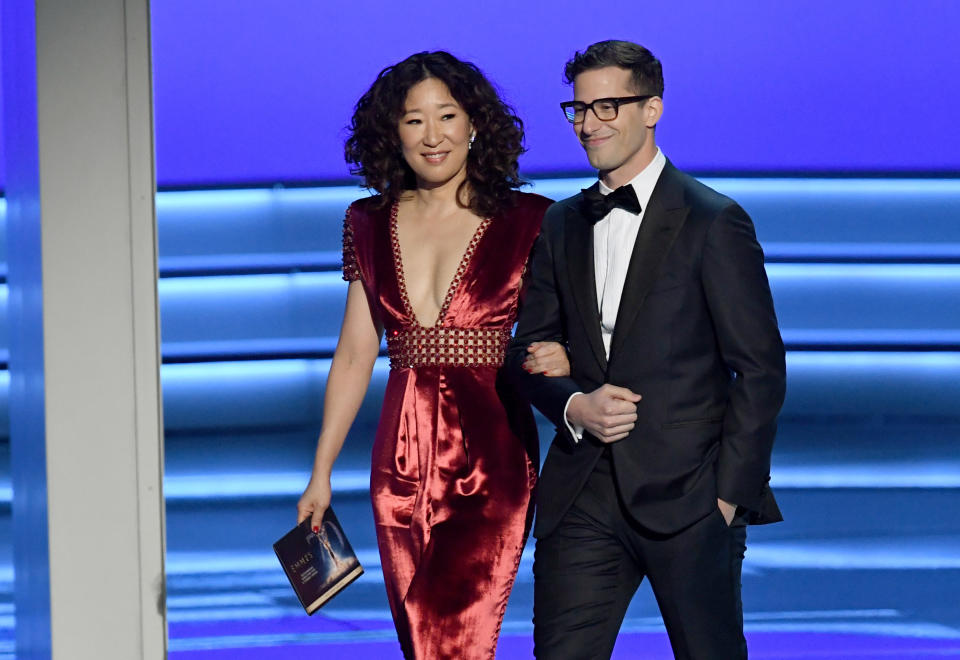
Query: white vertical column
86,428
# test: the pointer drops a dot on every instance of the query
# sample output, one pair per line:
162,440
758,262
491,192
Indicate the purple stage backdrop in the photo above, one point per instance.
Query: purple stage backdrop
255,92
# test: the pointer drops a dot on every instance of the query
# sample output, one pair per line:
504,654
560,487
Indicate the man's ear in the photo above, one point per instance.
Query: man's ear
652,111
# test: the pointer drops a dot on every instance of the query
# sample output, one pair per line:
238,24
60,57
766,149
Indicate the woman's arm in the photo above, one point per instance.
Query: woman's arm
347,382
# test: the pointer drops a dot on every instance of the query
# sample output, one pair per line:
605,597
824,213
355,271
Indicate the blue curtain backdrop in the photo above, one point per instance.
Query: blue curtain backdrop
248,91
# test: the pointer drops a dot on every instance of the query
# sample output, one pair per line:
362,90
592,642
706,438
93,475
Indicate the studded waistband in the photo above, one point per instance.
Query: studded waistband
448,347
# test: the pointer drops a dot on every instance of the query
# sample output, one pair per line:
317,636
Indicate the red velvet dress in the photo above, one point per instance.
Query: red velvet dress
454,458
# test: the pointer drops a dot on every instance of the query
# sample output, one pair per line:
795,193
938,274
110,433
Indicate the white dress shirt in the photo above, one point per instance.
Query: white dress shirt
613,238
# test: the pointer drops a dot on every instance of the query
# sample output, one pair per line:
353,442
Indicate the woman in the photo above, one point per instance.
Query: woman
436,260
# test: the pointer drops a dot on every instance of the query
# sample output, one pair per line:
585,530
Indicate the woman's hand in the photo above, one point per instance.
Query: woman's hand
314,501
548,358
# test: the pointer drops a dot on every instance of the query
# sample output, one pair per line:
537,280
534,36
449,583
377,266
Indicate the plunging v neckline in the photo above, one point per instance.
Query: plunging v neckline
465,260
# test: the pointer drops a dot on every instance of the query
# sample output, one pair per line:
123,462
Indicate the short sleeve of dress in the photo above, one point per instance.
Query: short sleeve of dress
351,269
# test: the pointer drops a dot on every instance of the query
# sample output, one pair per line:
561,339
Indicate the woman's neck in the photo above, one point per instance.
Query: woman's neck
437,198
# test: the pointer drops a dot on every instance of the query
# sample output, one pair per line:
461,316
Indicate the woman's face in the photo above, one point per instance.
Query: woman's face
434,134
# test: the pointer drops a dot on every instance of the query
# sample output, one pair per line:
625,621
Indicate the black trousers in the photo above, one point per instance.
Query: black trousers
588,569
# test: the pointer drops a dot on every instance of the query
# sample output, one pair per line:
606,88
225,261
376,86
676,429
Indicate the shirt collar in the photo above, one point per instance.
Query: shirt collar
644,182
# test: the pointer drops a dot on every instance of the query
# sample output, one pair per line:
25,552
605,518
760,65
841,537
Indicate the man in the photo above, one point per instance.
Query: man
656,285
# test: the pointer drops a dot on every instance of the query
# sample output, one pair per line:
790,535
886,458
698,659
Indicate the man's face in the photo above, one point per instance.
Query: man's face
619,148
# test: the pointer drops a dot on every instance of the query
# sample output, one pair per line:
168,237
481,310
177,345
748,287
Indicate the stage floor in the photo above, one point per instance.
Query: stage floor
295,638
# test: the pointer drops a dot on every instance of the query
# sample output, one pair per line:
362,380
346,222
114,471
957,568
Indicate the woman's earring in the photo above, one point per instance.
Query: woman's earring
473,136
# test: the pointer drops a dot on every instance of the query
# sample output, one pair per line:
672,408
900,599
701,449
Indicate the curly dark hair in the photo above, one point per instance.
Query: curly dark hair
373,146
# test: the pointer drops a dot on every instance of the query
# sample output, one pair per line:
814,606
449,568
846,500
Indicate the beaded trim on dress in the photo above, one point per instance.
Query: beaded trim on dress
351,269
454,283
448,347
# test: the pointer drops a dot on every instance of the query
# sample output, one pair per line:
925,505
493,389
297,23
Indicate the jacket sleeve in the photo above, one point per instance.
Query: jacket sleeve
540,319
741,306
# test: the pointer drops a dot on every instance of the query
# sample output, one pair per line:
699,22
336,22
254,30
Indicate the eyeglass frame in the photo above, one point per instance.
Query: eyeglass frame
617,101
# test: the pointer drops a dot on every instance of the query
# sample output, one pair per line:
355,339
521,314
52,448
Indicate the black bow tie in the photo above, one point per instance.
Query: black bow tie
595,205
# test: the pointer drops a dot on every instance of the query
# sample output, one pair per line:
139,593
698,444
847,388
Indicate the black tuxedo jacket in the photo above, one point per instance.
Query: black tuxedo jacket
696,336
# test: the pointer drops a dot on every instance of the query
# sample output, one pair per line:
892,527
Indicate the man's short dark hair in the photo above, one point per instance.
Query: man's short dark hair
645,68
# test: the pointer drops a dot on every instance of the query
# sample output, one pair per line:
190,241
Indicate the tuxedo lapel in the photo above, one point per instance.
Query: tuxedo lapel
661,224
578,247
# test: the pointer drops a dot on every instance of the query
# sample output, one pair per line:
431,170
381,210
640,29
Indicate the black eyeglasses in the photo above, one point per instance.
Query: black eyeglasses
604,109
